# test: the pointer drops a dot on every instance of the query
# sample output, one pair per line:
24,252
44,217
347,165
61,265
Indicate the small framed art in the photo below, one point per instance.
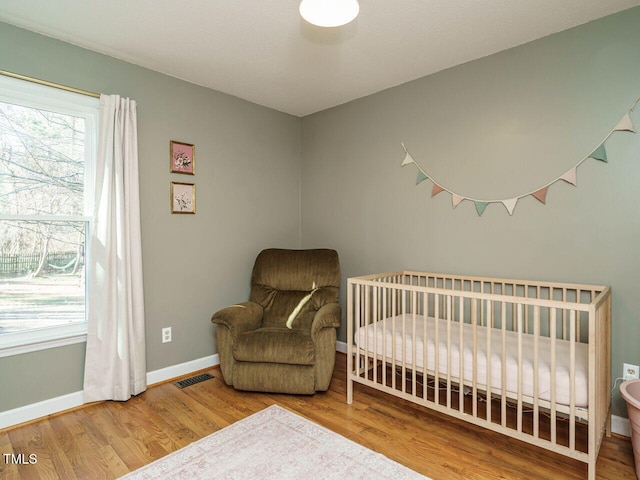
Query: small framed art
183,158
183,197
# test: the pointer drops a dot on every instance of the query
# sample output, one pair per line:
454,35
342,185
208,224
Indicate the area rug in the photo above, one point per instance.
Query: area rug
274,444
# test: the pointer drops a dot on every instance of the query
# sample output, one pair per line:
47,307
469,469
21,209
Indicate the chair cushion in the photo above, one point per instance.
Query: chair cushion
275,345
297,269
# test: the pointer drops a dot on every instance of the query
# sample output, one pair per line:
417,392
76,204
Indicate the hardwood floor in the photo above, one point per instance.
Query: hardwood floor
107,440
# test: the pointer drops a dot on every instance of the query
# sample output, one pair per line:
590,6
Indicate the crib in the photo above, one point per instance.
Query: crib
527,359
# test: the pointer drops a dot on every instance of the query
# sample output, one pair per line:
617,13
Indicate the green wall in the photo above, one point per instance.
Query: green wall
247,198
493,128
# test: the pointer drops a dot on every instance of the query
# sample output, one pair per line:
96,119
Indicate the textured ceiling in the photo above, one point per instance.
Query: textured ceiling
262,51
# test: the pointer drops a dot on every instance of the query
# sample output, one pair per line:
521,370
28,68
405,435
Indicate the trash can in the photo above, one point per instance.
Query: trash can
630,391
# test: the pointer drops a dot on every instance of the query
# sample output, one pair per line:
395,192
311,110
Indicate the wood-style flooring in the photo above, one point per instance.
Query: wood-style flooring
106,440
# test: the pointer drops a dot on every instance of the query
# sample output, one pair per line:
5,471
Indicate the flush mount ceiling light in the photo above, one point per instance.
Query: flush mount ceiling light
329,13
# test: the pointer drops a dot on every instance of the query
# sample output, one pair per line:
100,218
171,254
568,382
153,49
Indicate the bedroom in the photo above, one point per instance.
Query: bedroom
493,127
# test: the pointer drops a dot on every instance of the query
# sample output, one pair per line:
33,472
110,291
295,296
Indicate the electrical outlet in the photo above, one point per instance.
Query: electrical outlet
166,335
630,372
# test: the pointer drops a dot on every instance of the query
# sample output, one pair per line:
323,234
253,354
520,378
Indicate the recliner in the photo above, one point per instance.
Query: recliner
283,339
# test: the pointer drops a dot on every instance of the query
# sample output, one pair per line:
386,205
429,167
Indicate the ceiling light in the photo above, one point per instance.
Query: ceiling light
329,13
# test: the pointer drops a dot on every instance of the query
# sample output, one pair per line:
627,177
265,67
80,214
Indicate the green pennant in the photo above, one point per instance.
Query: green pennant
480,207
600,154
421,177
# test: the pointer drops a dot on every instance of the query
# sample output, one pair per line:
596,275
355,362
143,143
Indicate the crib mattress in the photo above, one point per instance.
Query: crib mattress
390,346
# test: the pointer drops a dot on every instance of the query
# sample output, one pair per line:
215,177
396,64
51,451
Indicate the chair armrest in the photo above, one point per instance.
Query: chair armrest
329,316
239,318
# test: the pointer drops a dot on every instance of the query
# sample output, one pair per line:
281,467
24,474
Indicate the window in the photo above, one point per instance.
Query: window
47,151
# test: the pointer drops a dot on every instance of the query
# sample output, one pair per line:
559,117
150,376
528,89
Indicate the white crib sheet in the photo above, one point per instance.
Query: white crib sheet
384,345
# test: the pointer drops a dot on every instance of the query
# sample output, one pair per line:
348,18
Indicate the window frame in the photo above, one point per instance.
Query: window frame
43,97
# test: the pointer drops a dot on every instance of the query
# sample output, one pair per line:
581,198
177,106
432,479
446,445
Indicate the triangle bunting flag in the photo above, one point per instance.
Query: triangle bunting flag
456,200
510,204
599,154
436,189
541,195
625,125
407,160
480,207
421,177
571,176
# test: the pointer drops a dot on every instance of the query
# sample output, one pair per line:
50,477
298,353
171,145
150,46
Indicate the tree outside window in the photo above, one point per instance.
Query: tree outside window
44,217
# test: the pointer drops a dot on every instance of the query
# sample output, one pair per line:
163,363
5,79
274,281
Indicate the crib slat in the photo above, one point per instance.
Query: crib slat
449,366
520,379
385,315
425,341
461,356
489,369
536,371
359,320
394,348
572,379
436,343
554,337
474,363
503,362
374,320
403,344
350,341
414,344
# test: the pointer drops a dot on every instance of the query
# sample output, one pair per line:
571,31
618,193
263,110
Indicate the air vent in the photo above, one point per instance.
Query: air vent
187,382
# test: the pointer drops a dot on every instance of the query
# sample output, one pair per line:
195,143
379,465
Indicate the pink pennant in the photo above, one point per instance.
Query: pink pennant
456,200
436,190
541,195
571,177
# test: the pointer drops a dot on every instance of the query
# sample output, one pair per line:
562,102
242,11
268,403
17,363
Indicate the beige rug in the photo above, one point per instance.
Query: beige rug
274,444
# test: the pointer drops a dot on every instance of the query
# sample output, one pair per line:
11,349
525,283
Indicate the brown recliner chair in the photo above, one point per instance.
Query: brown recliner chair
284,338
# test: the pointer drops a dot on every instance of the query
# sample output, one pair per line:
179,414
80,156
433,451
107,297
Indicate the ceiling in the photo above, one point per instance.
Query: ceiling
262,51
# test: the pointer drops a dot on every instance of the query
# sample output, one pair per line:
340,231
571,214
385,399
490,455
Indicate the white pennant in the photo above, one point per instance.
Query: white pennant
407,160
625,124
510,204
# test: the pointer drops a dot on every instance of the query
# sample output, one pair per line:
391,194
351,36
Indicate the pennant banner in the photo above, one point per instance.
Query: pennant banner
541,195
625,125
421,177
570,176
456,200
510,204
600,153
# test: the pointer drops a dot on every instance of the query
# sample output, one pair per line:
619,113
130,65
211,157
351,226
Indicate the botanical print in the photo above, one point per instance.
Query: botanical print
182,158
183,198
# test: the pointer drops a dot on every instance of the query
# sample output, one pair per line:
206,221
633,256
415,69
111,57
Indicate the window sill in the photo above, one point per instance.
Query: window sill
44,339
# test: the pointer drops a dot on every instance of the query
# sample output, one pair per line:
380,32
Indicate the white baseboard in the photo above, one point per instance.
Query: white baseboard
181,369
37,410
30,412
619,425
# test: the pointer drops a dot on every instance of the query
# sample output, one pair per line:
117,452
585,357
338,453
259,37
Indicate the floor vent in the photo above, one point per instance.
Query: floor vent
193,380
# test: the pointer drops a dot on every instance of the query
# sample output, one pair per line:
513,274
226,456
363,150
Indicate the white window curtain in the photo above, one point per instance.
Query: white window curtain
115,364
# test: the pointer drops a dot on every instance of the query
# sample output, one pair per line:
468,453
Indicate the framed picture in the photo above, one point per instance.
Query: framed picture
183,197
183,158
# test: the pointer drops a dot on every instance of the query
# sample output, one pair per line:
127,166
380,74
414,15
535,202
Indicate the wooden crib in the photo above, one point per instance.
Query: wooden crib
527,359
